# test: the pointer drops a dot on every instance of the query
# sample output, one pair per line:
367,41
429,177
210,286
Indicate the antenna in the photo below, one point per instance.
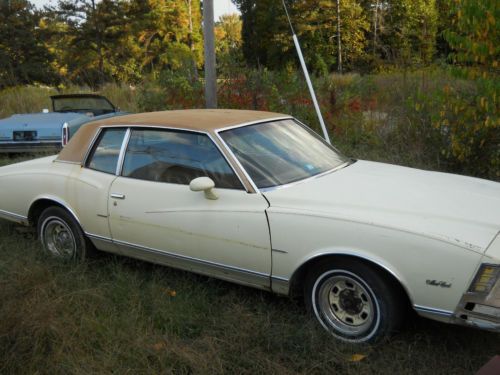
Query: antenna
306,74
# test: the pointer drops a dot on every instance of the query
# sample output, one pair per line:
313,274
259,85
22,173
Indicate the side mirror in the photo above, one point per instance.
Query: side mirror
204,184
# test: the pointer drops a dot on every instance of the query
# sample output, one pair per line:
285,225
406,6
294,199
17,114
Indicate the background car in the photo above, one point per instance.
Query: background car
259,199
49,131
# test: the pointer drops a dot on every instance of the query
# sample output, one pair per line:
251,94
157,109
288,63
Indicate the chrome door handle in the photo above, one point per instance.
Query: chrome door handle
118,196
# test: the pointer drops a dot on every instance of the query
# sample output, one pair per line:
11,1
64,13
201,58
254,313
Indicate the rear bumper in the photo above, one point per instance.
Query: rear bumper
26,147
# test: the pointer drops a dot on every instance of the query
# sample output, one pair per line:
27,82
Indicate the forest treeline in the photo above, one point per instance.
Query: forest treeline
92,42
413,82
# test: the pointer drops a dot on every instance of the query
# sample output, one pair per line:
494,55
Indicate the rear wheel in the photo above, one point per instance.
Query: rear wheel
353,301
61,235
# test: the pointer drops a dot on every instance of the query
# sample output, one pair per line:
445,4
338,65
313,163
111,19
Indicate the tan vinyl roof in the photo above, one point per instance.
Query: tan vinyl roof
207,120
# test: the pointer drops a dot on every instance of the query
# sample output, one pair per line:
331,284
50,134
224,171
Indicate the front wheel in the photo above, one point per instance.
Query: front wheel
61,235
353,301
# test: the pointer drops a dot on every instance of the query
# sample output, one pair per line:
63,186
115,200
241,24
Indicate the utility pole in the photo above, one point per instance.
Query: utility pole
375,27
339,41
209,44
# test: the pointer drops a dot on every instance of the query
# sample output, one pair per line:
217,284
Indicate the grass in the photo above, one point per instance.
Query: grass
117,315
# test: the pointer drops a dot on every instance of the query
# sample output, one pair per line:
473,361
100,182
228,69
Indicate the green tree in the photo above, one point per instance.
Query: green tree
317,23
409,32
89,36
23,56
228,42
169,34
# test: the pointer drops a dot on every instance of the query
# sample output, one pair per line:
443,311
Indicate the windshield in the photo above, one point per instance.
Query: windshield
280,152
94,104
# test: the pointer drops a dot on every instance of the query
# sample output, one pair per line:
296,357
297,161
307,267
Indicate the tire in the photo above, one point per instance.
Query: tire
353,301
61,235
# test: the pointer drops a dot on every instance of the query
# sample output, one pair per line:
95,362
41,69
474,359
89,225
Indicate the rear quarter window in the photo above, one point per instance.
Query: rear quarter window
106,151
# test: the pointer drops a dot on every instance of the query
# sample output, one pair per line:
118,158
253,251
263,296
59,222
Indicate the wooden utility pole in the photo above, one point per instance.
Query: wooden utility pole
375,27
209,44
339,41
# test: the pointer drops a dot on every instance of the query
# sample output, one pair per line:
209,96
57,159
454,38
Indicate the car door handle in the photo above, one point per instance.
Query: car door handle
118,196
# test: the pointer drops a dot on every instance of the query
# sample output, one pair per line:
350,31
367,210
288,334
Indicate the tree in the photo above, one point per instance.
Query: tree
267,39
23,56
409,35
228,41
474,34
89,35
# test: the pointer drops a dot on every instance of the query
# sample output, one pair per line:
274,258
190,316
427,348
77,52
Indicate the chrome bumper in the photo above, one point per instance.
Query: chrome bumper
31,146
480,310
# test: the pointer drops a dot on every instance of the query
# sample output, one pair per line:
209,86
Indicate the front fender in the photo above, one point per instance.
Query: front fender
418,262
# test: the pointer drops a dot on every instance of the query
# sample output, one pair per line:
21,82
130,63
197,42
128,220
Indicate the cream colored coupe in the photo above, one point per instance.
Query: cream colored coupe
258,199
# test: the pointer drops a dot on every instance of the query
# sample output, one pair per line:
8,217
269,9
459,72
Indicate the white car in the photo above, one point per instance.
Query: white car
259,199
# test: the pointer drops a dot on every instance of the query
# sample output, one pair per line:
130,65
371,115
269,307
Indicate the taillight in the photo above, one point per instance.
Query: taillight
65,134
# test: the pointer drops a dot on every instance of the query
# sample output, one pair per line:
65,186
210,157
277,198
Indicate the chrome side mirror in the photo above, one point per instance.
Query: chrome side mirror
205,184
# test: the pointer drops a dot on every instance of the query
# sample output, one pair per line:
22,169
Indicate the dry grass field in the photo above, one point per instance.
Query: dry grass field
116,315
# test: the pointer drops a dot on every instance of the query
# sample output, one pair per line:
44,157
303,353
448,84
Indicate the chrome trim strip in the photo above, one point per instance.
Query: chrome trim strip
280,278
191,259
279,251
123,148
97,237
146,126
11,215
278,187
91,146
66,162
233,156
253,123
49,141
431,310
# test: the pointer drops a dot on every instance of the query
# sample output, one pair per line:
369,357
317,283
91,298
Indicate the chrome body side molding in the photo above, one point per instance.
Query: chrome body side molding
432,313
221,271
11,216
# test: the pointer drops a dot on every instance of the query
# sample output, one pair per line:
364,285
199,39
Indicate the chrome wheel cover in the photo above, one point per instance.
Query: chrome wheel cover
346,306
58,238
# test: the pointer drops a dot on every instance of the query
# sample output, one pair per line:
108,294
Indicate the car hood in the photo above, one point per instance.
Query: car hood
464,211
46,124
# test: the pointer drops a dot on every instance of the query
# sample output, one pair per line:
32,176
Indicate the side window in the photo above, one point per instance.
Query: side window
104,155
176,157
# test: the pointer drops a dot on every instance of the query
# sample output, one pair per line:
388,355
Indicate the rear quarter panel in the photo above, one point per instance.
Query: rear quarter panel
22,183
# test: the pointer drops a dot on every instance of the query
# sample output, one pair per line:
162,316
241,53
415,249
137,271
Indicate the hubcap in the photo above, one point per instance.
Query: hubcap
346,304
58,238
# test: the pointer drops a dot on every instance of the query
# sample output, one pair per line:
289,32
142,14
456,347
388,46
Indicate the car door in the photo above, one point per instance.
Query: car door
155,216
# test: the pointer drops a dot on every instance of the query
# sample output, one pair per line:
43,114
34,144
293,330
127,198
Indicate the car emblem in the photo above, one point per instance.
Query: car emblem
442,284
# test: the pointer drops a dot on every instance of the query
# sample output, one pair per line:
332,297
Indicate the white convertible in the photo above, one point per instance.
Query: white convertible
258,199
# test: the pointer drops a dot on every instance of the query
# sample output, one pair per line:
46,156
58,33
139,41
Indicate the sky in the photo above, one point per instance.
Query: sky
220,6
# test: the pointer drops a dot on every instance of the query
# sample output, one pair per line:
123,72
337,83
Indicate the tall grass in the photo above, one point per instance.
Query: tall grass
426,118
114,315
32,99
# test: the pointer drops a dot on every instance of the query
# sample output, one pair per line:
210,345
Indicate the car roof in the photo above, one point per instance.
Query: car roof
193,119
62,96
201,120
